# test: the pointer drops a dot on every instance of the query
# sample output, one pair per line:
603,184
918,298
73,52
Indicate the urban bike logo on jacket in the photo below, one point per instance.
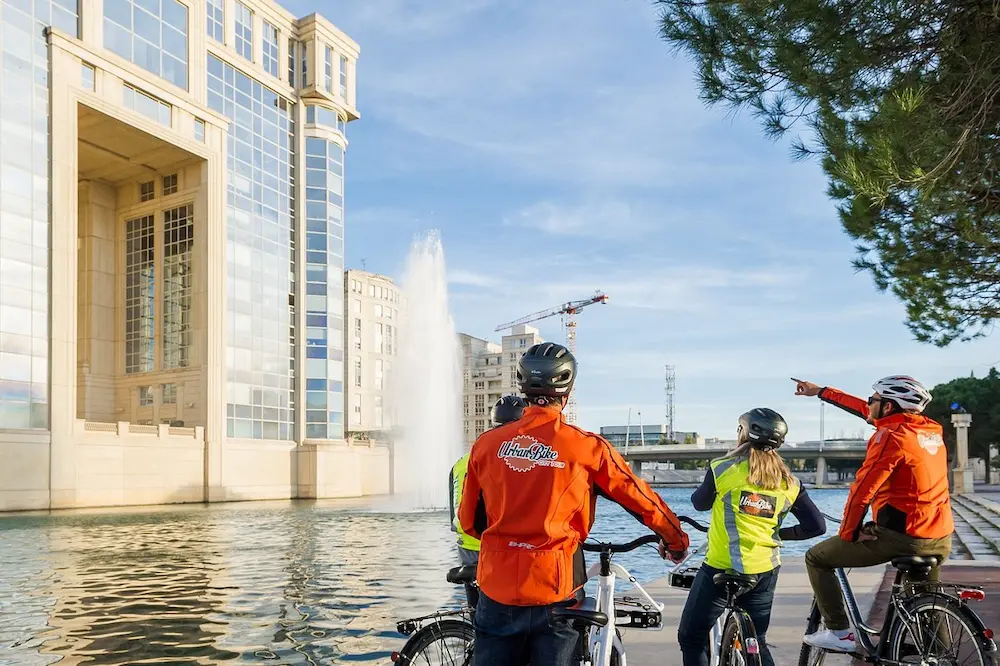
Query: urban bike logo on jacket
755,504
523,453
930,441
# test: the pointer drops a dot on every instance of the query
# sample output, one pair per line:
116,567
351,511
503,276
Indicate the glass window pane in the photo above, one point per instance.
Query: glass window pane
175,14
146,26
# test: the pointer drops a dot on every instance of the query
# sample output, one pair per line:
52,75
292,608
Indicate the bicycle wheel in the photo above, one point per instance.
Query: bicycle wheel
739,641
943,629
443,643
810,656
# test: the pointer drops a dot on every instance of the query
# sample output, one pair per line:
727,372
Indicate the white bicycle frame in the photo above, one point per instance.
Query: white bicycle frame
603,639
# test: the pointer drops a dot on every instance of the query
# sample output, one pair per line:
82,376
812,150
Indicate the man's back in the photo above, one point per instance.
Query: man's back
536,480
915,500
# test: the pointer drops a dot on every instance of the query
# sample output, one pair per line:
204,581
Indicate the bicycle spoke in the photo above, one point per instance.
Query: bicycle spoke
943,636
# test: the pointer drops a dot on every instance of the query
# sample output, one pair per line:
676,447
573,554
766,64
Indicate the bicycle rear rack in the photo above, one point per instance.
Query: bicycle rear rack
407,627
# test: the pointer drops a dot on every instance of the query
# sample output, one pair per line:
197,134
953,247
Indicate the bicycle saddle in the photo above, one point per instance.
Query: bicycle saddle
916,563
462,574
581,614
735,583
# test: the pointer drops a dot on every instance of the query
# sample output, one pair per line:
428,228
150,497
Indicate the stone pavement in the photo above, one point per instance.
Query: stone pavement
792,601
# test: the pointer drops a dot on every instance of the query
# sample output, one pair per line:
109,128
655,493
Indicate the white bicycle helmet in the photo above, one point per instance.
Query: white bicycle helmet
905,391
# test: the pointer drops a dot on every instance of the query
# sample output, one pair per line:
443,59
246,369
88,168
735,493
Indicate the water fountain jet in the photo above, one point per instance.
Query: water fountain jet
425,384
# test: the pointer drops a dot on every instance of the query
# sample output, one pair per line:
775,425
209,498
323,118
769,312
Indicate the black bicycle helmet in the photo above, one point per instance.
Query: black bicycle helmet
508,408
546,369
764,428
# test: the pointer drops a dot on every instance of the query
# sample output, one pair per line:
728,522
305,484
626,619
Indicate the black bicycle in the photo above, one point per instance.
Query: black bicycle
445,637
926,623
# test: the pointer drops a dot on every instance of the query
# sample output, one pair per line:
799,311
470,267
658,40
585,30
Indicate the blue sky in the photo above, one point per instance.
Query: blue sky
560,152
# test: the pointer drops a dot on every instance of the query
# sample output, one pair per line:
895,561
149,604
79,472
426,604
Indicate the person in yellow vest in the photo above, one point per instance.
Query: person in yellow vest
750,491
508,408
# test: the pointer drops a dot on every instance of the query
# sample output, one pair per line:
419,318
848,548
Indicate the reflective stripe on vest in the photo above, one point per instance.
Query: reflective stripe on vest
743,534
458,472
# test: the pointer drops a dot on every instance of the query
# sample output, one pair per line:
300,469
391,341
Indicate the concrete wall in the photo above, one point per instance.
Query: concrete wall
122,464
24,474
96,316
138,465
333,470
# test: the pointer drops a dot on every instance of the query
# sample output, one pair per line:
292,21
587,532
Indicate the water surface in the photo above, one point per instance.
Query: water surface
272,583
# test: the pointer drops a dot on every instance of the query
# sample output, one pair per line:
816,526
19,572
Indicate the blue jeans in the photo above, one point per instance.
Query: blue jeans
705,603
518,635
471,591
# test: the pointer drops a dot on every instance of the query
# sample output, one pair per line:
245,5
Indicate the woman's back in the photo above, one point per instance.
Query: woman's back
746,514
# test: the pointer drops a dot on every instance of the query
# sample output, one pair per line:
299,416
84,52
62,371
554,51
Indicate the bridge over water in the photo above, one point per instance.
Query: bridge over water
821,452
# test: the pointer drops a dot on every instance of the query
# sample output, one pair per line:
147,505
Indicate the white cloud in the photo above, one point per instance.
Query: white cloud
605,219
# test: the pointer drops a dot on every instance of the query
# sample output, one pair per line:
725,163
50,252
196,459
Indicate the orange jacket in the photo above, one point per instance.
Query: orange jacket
530,494
904,477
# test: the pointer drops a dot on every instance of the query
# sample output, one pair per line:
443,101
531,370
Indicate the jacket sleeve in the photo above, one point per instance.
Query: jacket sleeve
811,521
471,509
616,479
704,495
880,461
847,402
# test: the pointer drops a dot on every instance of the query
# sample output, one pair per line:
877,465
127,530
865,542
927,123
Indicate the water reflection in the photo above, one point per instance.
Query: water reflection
283,583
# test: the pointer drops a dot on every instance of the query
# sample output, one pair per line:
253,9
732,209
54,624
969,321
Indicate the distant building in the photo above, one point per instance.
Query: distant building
371,342
489,371
650,435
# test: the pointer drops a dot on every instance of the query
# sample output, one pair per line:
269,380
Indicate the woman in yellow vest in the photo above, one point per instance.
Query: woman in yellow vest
508,408
750,491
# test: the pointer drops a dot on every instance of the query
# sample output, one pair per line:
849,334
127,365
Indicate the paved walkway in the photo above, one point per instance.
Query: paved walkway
788,618
791,606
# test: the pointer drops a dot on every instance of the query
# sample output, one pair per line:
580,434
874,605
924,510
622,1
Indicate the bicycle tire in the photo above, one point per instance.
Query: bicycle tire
947,605
808,655
436,632
739,633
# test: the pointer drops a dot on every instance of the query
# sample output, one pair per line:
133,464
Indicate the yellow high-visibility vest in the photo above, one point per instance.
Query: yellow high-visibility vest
458,472
743,535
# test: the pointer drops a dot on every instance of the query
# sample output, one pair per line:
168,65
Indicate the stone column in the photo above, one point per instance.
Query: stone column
820,472
636,467
961,475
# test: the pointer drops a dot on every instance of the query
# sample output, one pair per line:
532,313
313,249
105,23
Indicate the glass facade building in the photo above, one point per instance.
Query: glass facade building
24,207
260,254
283,239
172,254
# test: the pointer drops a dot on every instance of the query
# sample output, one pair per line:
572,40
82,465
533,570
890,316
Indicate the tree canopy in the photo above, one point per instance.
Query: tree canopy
901,101
980,397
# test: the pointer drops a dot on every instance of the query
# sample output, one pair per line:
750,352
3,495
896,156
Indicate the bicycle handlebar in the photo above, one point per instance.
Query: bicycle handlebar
620,547
693,523
641,541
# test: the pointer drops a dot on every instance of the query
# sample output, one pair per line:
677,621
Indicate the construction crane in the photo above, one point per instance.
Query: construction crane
568,311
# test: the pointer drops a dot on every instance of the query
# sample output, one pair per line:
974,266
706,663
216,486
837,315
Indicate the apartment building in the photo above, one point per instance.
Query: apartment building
371,337
489,371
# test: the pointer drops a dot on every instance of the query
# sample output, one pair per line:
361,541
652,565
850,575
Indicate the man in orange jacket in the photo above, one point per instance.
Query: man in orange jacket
904,479
530,494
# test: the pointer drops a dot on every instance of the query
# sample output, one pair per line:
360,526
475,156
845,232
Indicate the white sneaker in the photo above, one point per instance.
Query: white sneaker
828,640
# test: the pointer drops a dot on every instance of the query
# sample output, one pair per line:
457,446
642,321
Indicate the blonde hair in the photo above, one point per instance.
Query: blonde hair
767,469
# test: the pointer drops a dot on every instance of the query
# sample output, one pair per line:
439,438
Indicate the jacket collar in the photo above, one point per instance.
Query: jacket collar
550,411
900,417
